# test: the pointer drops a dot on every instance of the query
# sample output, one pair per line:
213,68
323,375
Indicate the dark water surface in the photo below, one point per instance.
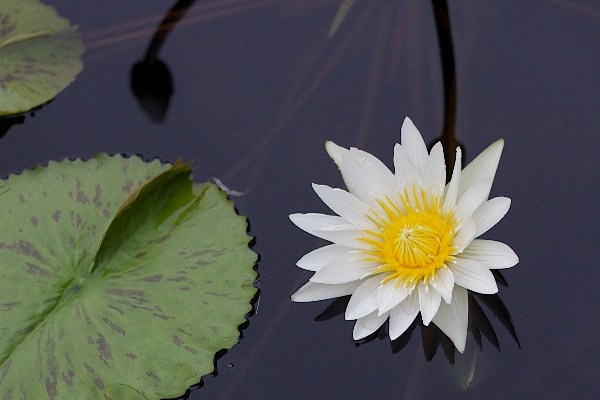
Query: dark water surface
257,92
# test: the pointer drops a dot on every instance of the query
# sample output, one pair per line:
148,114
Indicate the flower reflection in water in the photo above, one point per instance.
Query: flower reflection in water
431,336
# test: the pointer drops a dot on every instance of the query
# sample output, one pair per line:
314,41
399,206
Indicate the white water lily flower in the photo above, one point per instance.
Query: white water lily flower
404,242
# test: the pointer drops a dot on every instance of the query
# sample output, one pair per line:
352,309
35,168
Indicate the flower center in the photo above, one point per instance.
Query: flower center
413,238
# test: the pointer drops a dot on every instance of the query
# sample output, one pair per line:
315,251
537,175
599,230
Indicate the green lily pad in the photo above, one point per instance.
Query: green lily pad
119,279
40,55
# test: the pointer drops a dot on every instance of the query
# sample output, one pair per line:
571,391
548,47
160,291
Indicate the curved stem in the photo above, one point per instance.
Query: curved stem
166,26
448,139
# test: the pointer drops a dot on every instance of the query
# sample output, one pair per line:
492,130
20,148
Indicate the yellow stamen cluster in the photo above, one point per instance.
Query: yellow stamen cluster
413,238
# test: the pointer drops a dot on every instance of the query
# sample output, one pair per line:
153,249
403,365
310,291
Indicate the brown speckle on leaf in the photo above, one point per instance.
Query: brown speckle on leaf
9,306
35,270
153,376
35,221
227,295
82,198
21,199
114,326
116,309
23,248
131,355
96,200
104,353
51,388
5,370
184,332
99,383
25,330
153,278
191,350
68,378
178,342
159,240
56,216
125,292
201,253
89,369
162,316
127,187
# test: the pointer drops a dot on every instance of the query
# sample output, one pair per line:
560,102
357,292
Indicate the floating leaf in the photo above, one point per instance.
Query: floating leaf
107,290
40,55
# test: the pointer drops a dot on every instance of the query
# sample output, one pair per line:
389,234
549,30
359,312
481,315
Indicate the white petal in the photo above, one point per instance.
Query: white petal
346,205
411,303
492,254
312,291
360,331
452,319
400,321
329,227
389,296
378,168
467,233
473,275
414,145
371,163
429,302
317,259
363,183
343,235
335,152
452,187
406,173
311,221
435,173
364,299
482,167
473,198
490,213
373,321
346,268
444,283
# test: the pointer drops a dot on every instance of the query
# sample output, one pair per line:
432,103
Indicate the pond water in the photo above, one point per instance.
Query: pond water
258,89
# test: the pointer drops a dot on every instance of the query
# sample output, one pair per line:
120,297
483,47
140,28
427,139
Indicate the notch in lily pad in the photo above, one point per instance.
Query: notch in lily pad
119,279
40,55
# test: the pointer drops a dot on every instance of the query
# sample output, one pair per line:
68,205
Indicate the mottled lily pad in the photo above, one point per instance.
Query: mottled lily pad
40,55
119,279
